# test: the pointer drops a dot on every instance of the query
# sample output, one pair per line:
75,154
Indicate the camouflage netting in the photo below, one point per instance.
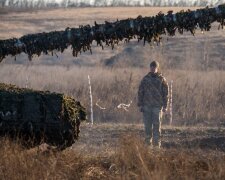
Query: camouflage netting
50,117
150,29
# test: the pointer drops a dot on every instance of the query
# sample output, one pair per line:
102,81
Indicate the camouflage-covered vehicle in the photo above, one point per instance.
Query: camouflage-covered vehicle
39,116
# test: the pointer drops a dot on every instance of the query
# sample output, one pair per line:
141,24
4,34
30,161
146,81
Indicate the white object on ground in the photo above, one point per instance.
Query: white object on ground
124,106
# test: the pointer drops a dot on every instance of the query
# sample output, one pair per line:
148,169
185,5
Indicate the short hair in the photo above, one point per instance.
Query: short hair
154,64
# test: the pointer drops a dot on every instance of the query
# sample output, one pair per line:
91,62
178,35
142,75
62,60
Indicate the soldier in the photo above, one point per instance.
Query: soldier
152,102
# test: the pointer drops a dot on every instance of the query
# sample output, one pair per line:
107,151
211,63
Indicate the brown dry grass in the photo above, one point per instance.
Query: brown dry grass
198,96
130,160
18,24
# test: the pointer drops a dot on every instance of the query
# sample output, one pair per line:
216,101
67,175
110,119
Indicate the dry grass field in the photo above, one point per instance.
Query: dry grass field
116,151
17,24
193,148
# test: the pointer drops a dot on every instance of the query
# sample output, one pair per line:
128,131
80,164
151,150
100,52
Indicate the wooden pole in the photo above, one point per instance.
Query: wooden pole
171,102
91,99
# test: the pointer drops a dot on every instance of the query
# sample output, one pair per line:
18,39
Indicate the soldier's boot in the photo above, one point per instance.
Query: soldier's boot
148,140
157,143
156,135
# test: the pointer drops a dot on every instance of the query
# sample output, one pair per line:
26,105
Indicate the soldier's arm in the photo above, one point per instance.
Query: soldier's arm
141,93
165,93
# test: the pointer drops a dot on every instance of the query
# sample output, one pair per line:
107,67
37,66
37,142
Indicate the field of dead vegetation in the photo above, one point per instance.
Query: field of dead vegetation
193,148
116,151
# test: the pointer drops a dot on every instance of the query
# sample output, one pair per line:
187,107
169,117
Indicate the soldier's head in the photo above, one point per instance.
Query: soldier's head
154,66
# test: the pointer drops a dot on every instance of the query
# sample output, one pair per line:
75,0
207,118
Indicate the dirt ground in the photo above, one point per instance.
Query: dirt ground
104,137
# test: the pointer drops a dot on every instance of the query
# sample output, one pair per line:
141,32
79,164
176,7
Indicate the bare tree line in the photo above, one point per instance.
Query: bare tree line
38,4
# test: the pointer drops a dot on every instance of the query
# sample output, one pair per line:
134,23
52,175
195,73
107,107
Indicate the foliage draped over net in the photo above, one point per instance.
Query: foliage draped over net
41,114
149,29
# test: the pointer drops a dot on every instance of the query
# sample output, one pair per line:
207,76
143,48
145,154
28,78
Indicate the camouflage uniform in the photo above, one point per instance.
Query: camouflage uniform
152,97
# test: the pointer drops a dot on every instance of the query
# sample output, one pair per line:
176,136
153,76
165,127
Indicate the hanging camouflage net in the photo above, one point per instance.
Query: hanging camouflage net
149,29
41,116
